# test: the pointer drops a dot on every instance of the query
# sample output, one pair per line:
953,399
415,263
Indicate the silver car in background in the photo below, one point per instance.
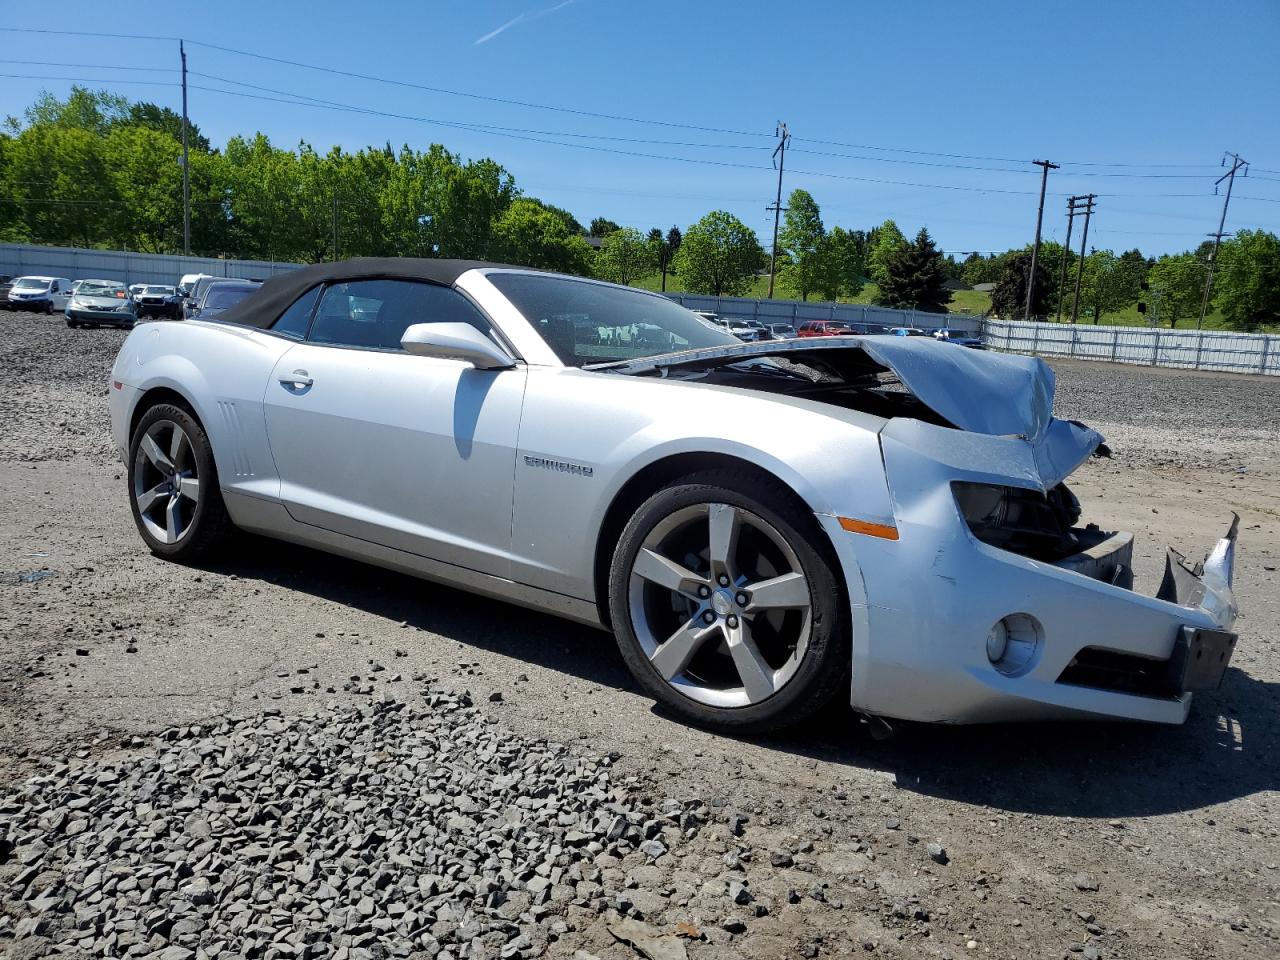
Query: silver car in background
101,303
763,526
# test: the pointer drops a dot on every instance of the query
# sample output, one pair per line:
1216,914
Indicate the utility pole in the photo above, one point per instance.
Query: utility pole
1230,176
1045,166
1084,240
186,169
779,156
1066,253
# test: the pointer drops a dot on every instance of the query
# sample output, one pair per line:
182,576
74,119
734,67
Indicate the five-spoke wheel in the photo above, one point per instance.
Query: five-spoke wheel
726,607
173,484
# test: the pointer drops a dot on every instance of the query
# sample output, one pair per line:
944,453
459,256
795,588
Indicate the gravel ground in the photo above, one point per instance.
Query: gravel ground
280,756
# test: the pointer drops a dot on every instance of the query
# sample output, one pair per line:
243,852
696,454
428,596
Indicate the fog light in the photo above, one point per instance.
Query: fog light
1013,644
997,642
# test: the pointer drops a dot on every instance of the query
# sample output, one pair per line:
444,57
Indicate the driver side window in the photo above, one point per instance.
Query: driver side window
374,314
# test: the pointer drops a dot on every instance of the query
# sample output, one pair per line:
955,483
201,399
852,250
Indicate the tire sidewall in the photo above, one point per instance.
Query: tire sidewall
204,464
828,649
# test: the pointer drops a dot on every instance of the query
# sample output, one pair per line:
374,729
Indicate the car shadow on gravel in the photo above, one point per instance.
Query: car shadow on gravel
538,638
1226,750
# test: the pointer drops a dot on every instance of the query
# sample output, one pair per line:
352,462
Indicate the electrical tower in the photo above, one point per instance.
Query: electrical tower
779,156
1230,176
1046,166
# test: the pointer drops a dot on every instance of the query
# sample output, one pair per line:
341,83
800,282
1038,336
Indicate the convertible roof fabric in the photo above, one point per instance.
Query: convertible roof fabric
277,293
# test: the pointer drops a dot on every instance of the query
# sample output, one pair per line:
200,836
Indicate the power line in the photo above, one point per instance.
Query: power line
89,66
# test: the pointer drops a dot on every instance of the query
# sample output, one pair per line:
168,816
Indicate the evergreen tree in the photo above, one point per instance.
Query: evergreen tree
1009,298
915,277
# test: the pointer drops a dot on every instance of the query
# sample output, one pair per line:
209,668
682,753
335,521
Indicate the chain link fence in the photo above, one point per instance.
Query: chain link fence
1222,350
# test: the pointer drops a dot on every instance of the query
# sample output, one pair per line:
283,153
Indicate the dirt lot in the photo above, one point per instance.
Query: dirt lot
1069,840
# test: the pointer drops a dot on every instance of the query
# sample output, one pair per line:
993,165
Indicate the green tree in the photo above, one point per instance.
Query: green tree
600,227
1110,283
841,267
802,237
663,250
625,256
529,234
1248,280
166,121
718,255
914,277
94,111
1009,298
884,245
1177,286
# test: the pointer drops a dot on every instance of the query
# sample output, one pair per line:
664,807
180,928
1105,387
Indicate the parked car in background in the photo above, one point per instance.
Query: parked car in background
740,329
824,328
959,338
135,290
196,293
907,332
762,331
782,331
188,281
221,295
101,302
6,282
39,293
159,301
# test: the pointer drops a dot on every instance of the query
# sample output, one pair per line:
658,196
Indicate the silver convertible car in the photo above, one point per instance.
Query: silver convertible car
762,526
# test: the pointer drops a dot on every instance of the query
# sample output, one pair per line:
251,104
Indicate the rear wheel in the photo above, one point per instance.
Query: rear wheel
173,486
726,606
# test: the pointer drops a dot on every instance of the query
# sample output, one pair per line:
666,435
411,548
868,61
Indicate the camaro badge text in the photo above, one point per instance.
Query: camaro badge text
559,466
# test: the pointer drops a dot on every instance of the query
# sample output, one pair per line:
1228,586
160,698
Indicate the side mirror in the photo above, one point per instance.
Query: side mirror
455,341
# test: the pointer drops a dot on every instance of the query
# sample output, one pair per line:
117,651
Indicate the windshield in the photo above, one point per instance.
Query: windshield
100,288
26,283
159,291
221,298
586,323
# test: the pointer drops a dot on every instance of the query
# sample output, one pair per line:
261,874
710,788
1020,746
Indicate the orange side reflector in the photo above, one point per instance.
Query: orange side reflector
881,530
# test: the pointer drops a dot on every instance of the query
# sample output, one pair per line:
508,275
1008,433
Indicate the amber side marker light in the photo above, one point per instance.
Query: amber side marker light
881,530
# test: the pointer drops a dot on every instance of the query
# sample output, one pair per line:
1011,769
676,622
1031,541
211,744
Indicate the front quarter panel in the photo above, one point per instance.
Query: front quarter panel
615,425
222,373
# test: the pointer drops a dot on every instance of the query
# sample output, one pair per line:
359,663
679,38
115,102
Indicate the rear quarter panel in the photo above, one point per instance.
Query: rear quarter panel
222,373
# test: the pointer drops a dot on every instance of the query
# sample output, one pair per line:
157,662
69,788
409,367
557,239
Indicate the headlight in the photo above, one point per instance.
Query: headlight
1020,520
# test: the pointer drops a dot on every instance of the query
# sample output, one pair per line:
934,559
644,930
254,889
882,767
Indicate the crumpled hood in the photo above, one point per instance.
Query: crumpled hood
998,394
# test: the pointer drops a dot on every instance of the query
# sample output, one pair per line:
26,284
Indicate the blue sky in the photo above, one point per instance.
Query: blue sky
913,92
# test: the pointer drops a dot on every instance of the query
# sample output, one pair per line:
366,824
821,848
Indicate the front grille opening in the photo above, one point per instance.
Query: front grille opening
1119,673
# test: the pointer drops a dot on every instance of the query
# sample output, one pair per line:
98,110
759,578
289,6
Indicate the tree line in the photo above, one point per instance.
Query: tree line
97,170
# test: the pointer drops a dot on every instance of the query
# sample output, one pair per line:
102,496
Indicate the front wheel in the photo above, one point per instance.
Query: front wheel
726,606
173,486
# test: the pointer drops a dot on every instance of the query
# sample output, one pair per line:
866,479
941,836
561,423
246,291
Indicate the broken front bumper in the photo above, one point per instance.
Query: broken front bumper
927,607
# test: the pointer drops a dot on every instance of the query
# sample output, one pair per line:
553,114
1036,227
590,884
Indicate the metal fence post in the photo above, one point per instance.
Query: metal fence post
1035,335
1199,347
1071,347
1155,346
1262,359
1115,342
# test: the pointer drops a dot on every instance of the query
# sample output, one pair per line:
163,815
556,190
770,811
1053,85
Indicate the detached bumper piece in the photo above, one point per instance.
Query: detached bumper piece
1200,655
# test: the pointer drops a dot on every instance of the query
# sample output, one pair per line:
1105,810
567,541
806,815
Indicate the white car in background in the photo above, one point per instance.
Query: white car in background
763,526
42,294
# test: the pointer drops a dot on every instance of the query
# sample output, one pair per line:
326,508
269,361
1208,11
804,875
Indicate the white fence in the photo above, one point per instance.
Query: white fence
1187,349
797,311
74,263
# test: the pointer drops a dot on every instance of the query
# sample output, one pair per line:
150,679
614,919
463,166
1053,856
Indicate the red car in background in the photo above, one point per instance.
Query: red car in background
824,328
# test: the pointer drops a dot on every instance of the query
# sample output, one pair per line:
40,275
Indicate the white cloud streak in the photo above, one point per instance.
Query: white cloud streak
525,17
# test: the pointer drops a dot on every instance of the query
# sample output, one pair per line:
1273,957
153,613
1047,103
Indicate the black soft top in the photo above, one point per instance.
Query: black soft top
278,292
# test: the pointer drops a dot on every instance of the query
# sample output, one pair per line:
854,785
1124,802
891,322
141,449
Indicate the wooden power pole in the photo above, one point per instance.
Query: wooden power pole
1230,176
780,156
1045,166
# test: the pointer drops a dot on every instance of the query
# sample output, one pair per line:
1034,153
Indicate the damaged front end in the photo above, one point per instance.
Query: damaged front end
994,601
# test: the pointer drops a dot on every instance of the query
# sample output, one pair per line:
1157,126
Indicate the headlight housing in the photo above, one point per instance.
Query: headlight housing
1021,521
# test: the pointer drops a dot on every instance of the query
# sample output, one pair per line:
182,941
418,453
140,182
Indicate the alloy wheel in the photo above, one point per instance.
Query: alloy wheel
720,605
166,482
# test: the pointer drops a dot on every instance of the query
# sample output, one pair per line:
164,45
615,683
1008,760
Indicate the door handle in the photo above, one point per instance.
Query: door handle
298,380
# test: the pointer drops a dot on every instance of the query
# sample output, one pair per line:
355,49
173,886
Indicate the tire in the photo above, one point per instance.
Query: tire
796,649
72,324
178,519
48,308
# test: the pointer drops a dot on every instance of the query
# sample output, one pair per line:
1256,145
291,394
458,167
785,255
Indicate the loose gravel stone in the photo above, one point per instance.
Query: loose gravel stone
372,832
